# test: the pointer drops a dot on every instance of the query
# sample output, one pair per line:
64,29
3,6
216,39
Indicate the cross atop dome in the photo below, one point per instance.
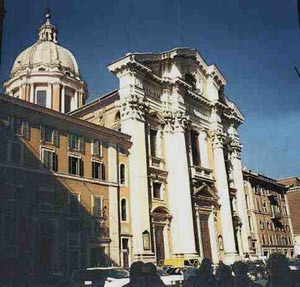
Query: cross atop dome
48,31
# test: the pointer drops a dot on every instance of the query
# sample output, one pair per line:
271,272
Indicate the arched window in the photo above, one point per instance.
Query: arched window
122,173
123,209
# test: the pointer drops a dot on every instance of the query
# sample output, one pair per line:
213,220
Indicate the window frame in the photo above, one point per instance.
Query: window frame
122,180
79,141
80,167
122,199
99,144
54,166
102,169
48,96
9,153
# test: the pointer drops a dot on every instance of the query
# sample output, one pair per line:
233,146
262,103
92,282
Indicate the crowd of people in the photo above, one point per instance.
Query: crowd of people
279,275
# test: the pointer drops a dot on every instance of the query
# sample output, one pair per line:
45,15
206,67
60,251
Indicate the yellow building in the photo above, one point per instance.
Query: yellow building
268,216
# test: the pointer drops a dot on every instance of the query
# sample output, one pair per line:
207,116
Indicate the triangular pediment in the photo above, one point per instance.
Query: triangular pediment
205,190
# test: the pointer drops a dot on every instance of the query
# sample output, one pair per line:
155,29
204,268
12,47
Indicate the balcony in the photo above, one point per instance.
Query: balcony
200,173
157,163
275,215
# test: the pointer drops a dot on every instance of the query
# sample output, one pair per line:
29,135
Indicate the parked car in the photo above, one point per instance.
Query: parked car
294,265
257,270
99,277
170,280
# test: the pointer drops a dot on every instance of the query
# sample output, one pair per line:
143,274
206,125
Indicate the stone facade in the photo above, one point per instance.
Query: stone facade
186,179
293,197
268,216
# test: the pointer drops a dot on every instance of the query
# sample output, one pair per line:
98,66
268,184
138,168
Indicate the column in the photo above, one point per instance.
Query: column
31,93
203,149
76,105
56,103
133,124
241,206
180,202
199,234
49,97
114,224
224,200
63,99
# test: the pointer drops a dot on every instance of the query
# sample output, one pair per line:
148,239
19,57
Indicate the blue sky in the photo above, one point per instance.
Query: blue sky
254,43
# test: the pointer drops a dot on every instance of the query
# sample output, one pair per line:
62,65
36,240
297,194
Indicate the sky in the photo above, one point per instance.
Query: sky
254,43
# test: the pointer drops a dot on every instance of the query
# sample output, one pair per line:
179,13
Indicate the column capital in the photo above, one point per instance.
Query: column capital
236,147
176,121
134,107
218,139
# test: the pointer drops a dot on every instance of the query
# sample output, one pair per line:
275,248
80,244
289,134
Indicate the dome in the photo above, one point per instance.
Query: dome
46,55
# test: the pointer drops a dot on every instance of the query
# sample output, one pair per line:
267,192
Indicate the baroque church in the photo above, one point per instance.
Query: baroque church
180,192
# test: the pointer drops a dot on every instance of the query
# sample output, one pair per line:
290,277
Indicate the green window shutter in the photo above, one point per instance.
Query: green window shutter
70,165
56,138
70,141
43,131
81,167
103,171
54,162
26,130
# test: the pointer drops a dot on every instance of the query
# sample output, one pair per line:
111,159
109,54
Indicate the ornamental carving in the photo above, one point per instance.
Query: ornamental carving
134,107
218,139
236,149
175,121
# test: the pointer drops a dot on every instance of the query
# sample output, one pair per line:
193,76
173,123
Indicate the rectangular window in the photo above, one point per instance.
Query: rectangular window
49,135
49,159
41,98
19,127
76,166
97,147
98,170
16,153
153,143
157,190
76,143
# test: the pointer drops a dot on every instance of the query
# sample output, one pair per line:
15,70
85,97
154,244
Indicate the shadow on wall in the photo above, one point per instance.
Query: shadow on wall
43,225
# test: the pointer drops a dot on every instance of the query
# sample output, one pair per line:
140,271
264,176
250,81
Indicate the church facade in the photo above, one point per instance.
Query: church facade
185,172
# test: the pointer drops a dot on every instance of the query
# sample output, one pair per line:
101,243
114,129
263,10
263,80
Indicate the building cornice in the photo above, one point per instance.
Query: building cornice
114,136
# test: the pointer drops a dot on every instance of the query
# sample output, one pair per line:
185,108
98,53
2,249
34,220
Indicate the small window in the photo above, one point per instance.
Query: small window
41,98
49,135
75,166
220,242
49,159
195,148
122,174
123,209
76,143
98,170
157,190
20,127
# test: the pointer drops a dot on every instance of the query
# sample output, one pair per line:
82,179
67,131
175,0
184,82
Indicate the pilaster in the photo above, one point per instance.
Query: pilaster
114,222
240,195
